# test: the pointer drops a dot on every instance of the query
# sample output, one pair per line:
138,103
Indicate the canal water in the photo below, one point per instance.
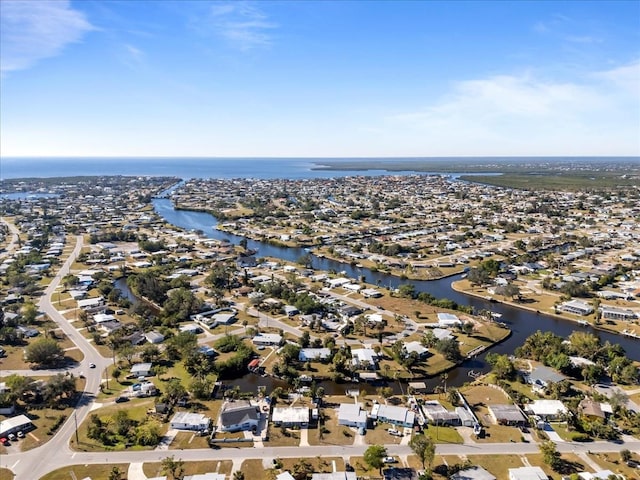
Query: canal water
521,322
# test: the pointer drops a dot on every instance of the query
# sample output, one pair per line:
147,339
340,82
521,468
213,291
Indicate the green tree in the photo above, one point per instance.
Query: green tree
373,456
115,474
550,455
172,467
44,351
425,449
501,366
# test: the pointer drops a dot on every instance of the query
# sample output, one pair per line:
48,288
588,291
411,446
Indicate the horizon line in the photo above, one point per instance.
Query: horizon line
307,157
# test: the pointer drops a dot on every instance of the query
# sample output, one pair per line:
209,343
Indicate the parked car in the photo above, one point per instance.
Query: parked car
122,399
92,365
11,437
394,432
4,441
389,460
20,434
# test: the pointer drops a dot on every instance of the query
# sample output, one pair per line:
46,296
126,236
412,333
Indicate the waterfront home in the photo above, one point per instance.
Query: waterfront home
314,354
541,377
504,414
190,421
400,416
364,358
547,409
615,313
238,416
290,416
438,415
448,320
352,415
576,307
527,473
417,348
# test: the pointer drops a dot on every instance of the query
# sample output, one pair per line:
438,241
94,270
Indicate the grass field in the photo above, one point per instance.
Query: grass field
154,469
95,472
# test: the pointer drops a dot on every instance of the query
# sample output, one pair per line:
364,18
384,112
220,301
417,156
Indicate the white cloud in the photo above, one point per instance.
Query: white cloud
526,115
242,24
626,77
33,30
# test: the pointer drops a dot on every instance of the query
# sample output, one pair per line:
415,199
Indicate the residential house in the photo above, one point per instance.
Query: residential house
400,416
547,409
473,473
438,415
290,416
527,473
504,414
541,377
238,416
576,307
154,337
448,320
614,313
314,354
417,348
334,476
142,369
364,358
352,415
15,424
267,339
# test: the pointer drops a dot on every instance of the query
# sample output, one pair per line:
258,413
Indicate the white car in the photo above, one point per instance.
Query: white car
389,460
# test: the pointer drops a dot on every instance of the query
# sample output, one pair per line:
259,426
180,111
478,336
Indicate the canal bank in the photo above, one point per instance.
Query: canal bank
522,323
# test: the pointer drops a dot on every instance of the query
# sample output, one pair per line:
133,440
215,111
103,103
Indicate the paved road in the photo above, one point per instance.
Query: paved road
15,237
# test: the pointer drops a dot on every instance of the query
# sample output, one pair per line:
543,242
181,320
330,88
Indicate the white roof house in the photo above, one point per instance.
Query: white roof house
416,347
527,473
364,356
290,416
338,282
90,303
267,339
577,307
547,408
352,415
334,476
392,414
103,317
14,424
190,421
448,320
141,369
313,354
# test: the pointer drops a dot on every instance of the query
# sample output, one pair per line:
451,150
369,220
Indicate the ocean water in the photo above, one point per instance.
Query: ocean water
291,168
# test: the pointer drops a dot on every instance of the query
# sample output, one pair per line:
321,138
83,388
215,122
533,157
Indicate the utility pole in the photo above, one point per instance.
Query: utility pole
75,417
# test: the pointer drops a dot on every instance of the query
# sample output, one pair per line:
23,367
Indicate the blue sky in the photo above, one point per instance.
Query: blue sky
454,78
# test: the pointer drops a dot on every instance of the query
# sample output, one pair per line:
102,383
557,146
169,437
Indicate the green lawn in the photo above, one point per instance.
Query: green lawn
95,472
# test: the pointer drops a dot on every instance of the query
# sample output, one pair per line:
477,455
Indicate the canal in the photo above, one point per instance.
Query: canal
521,322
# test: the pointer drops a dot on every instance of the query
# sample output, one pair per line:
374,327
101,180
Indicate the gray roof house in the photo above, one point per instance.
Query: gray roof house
190,421
237,416
542,377
473,473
